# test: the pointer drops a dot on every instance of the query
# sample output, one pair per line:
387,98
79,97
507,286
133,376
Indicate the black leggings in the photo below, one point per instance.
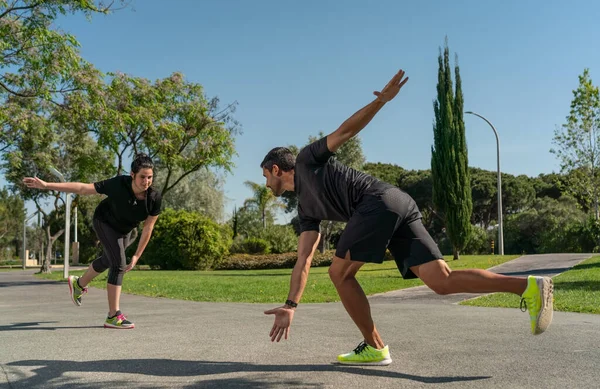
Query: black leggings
113,256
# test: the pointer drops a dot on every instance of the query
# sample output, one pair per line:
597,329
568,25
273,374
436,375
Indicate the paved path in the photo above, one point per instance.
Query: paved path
47,342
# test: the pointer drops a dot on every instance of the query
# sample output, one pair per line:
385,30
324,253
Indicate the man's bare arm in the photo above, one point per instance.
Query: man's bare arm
361,118
307,244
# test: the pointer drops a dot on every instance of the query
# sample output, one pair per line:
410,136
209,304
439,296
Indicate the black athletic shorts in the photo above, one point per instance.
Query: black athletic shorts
390,220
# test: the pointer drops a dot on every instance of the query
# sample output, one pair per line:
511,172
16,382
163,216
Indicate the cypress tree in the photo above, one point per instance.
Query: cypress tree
449,157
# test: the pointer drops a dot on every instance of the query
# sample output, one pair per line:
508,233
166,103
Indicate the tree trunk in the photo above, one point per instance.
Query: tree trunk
320,246
456,253
133,234
42,257
46,263
46,266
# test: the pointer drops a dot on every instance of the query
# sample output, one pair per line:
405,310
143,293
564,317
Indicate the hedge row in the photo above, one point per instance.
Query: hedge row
276,261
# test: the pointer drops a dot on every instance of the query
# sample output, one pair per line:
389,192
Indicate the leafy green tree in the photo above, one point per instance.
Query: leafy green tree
38,60
539,228
578,143
264,201
385,172
248,222
200,191
170,119
44,142
549,185
12,216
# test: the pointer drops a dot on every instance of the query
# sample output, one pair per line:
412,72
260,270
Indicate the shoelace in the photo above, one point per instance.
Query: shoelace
83,290
360,348
523,306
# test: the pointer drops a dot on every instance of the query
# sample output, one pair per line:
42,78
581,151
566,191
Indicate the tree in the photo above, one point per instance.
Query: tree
247,222
518,193
12,216
543,227
449,159
38,61
484,192
171,120
385,172
201,192
44,142
263,200
549,185
578,143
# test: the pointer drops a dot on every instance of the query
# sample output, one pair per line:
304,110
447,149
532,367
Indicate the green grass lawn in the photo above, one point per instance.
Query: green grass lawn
576,290
267,286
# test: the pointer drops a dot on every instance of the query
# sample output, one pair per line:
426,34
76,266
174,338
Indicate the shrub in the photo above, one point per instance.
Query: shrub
277,261
237,247
479,242
281,238
186,240
256,246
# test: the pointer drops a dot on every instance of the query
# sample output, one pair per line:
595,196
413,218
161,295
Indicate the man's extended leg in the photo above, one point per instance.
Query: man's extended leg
438,276
536,292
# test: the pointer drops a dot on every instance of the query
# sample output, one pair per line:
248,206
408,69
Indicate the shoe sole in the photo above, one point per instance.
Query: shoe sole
72,291
118,327
544,317
385,362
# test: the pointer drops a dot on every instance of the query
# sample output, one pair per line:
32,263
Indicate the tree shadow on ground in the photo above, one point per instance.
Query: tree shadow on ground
54,372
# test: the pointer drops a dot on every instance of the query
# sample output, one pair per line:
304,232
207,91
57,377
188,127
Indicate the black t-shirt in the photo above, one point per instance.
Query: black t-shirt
327,189
121,209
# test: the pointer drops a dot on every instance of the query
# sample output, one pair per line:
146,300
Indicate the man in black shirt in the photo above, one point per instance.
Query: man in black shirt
130,200
379,216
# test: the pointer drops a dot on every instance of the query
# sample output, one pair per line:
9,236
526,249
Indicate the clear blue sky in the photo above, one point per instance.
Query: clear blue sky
297,68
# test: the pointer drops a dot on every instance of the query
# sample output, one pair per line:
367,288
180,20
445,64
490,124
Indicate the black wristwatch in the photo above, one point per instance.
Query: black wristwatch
290,303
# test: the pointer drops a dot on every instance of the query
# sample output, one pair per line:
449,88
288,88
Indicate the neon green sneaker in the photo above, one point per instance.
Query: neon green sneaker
118,321
75,290
538,299
366,355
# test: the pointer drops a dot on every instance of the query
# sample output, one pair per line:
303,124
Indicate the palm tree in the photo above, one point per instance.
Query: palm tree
263,200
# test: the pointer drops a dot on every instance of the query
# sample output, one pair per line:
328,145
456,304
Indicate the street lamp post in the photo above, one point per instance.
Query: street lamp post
67,222
500,230
25,239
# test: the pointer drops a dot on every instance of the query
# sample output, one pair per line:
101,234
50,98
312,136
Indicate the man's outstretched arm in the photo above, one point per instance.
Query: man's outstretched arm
284,315
360,119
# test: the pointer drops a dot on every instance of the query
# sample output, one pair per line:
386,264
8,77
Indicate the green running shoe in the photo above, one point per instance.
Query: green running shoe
118,321
538,299
75,290
366,355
